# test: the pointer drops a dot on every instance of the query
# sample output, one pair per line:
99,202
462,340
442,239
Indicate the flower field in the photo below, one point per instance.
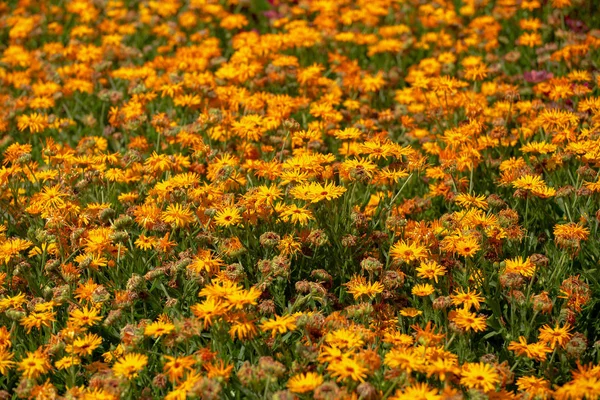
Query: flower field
313,199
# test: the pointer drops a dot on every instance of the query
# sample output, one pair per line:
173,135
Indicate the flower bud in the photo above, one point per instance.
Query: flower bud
15,315
577,346
317,238
442,303
371,265
366,391
327,391
123,222
107,214
542,303
135,283
284,395
269,239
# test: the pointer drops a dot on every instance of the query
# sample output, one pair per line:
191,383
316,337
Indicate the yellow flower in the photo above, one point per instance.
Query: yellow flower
240,298
423,290
555,336
177,215
406,359
467,320
5,361
242,328
479,376
218,370
534,386
86,345
228,216
176,367
430,270
67,362
418,391
35,364
359,287
209,310
467,200
466,299
279,324
410,312
519,266
38,319
144,242
288,245
158,328
295,214
347,368
571,231
305,382
85,316
408,252
529,182
315,192
467,246
130,365
344,338
34,122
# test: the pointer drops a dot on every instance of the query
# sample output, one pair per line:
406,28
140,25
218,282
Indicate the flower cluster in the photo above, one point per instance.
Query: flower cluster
294,199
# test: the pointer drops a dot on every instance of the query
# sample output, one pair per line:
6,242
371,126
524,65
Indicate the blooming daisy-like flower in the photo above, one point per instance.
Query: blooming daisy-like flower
348,133
555,336
467,299
34,122
218,369
67,362
479,376
85,316
344,338
468,200
423,290
38,319
359,287
430,270
519,266
279,324
144,242
534,386
529,182
130,365
406,359
158,328
347,368
228,216
328,191
303,383
16,152
410,312
34,364
6,362
240,298
467,320
295,214
417,391
86,345
177,215
467,246
571,231
242,328
209,310
408,252
176,367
